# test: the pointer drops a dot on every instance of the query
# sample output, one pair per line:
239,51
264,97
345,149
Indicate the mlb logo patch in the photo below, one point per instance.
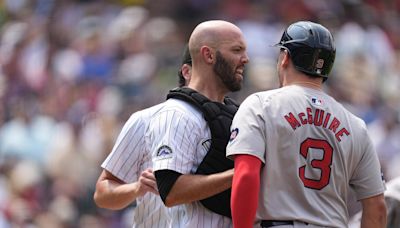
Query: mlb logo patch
317,101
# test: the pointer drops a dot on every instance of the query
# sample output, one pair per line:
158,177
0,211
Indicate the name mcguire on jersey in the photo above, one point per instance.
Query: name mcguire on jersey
318,118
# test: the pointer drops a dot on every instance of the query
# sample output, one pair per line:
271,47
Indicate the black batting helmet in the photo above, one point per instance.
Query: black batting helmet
310,46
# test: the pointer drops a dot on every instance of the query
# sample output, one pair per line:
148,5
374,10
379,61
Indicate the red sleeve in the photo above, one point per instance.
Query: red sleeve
245,189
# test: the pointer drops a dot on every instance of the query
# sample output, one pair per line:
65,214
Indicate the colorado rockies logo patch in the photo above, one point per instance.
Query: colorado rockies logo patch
164,152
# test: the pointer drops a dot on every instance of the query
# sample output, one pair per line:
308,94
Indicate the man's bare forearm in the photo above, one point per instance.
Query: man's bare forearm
114,195
189,188
374,212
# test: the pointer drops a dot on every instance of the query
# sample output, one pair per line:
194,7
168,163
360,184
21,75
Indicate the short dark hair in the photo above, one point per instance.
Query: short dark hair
186,59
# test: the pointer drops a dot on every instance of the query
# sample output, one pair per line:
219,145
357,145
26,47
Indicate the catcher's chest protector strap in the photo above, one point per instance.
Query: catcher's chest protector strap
219,118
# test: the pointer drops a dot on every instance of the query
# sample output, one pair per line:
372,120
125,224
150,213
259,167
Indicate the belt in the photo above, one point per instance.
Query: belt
271,223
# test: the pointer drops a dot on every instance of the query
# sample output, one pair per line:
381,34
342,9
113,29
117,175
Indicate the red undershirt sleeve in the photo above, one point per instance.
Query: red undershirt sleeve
245,189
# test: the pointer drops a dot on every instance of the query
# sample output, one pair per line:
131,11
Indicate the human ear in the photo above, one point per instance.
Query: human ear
207,54
285,58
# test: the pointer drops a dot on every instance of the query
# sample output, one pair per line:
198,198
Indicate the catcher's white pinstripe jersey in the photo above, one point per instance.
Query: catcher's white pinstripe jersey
180,138
129,157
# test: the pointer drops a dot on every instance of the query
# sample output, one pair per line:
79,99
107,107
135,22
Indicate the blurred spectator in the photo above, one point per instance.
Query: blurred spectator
385,134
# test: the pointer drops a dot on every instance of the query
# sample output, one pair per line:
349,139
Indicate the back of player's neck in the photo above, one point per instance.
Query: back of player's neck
313,84
303,80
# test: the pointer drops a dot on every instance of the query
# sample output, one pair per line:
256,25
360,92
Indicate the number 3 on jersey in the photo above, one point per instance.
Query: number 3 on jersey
324,164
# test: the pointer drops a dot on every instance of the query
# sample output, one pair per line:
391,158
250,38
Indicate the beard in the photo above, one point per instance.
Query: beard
227,73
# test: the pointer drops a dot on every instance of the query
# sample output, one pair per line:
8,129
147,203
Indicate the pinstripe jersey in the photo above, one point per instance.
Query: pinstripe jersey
180,138
314,151
129,157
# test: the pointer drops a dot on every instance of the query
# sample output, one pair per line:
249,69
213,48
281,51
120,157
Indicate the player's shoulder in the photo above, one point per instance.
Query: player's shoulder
182,109
346,111
145,114
141,118
263,96
356,120
270,93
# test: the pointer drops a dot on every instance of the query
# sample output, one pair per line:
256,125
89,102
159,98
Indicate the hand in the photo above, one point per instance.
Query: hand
147,182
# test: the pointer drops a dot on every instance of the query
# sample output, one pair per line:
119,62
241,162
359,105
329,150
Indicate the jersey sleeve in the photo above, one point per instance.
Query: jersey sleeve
174,138
248,130
127,154
367,180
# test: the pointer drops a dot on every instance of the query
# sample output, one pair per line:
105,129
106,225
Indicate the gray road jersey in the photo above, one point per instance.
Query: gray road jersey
313,150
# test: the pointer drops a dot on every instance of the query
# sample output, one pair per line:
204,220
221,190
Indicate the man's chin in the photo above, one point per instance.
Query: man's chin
236,87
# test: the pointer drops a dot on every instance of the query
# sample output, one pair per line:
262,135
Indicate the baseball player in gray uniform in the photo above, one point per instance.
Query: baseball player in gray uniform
297,151
127,175
180,136
392,199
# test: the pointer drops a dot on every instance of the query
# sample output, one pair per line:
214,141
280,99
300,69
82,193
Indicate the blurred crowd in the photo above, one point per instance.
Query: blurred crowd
73,71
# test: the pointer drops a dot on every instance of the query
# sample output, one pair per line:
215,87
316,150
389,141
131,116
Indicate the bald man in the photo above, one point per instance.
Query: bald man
180,136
